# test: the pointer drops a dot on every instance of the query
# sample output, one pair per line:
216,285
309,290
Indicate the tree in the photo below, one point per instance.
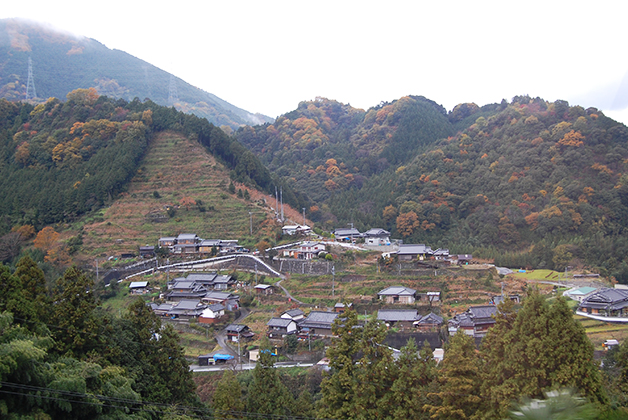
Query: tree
78,329
407,223
409,391
227,401
458,381
46,238
267,394
34,287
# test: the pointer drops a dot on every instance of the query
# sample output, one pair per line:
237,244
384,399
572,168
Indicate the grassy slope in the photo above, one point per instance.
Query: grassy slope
174,167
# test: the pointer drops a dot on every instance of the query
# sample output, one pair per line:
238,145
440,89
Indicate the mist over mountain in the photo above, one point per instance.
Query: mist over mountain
62,62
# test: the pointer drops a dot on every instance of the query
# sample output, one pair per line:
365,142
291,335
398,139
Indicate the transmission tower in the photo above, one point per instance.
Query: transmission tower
173,96
30,84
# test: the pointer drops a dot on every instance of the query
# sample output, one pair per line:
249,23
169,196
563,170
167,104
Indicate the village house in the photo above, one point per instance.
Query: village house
345,234
207,246
441,254
429,323
400,318
167,242
237,332
230,301
296,230
186,289
278,328
414,252
377,236
309,250
138,287
317,324
397,295
579,293
163,309
610,305
264,289
475,321
147,251
294,314
223,282
186,309
463,259
212,314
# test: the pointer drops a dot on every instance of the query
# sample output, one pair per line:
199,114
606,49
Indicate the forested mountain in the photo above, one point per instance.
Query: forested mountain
60,160
326,147
530,182
62,63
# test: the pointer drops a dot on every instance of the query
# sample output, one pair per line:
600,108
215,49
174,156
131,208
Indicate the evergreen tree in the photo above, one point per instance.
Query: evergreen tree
227,401
13,299
338,386
496,368
266,394
457,394
34,286
375,373
415,372
77,330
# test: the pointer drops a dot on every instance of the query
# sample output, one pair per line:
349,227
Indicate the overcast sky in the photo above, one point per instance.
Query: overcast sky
267,56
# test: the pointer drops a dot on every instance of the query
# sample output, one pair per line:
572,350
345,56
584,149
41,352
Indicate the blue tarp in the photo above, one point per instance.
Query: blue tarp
219,356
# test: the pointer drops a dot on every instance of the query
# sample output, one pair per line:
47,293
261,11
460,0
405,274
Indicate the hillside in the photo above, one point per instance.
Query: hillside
325,147
178,188
62,63
530,183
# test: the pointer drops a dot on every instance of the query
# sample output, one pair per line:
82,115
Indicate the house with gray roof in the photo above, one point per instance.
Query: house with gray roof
430,322
401,318
398,295
237,332
377,236
414,252
317,323
278,328
346,234
294,314
187,309
212,314
186,289
475,321
228,300
138,287
610,305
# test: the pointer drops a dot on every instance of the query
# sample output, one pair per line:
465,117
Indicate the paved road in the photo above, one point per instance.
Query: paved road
245,366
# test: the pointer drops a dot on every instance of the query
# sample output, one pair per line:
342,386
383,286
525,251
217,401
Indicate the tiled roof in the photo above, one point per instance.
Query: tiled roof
279,322
397,291
318,319
398,315
413,249
430,318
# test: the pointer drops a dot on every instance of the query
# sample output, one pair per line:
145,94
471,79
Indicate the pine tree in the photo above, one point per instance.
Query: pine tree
457,392
266,394
569,354
496,368
227,401
78,330
415,372
374,375
338,386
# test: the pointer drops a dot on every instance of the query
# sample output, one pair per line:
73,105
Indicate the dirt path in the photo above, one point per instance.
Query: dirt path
288,295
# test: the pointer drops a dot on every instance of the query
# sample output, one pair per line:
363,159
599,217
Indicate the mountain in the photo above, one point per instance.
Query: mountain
528,183
63,62
62,160
326,147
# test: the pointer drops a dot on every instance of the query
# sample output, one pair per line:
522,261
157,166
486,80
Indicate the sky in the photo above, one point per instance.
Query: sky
267,56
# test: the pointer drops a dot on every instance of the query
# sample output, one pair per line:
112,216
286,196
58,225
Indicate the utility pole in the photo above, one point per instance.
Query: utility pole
96,270
333,280
281,197
251,222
